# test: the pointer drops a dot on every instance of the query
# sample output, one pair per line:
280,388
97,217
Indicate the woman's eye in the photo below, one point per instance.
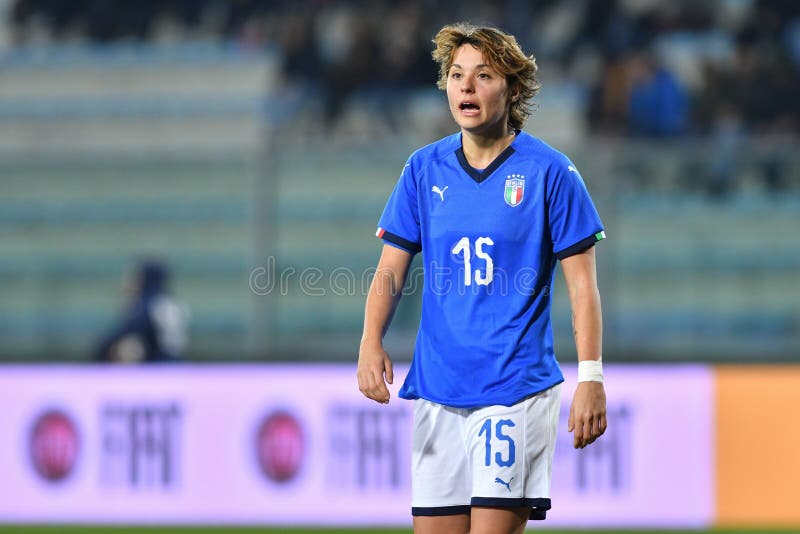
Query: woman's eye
455,75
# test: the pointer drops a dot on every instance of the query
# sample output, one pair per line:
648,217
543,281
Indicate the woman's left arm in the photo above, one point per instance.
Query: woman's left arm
587,415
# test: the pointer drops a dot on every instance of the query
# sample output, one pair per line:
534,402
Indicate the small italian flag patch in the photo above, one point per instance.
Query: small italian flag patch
599,235
379,232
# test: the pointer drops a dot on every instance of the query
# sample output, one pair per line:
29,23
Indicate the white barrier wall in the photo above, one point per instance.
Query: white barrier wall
279,444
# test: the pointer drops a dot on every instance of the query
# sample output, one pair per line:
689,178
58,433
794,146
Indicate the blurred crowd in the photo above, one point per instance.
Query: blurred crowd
645,68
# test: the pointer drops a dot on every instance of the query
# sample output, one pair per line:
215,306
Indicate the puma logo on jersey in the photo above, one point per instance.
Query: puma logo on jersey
440,192
572,169
499,480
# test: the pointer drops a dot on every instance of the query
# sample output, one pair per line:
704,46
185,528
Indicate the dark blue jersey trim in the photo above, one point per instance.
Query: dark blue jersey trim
435,511
511,502
480,176
578,247
538,506
538,515
398,247
400,242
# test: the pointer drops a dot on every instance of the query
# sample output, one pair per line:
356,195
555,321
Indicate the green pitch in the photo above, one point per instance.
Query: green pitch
76,529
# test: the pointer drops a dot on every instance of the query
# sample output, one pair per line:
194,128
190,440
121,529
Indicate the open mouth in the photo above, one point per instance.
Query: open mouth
468,106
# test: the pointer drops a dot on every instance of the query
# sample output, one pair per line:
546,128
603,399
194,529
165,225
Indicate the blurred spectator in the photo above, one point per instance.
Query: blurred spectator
658,105
609,98
153,327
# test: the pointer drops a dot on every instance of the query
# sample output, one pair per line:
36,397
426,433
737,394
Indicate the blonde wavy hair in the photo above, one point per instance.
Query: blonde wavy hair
503,54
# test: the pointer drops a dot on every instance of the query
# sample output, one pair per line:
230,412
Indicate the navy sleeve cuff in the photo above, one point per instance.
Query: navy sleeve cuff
394,239
581,245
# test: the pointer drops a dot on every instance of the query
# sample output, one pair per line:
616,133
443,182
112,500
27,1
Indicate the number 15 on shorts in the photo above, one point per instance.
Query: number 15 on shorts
498,442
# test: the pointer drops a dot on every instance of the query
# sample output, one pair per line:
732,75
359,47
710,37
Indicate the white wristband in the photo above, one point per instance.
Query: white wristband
590,371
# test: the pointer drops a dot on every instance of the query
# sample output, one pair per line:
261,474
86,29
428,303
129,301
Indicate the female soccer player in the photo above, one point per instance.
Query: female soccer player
491,208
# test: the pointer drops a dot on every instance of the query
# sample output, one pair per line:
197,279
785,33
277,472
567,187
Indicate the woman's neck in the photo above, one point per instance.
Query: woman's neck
481,150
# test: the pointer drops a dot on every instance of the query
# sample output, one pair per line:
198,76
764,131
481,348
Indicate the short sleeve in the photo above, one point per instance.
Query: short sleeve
399,223
572,217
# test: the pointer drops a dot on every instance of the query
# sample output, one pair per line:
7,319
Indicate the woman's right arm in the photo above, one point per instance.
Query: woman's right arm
374,364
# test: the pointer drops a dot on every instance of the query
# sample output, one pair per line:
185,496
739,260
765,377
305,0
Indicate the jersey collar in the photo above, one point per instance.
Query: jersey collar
481,175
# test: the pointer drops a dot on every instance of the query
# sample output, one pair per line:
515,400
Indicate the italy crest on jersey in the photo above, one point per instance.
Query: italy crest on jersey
515,189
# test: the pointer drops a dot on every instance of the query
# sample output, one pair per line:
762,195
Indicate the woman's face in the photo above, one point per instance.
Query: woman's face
478,95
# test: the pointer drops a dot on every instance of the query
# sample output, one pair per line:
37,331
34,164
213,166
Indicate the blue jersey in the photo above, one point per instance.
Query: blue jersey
490,240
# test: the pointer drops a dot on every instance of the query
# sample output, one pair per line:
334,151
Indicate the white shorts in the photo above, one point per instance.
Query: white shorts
499,456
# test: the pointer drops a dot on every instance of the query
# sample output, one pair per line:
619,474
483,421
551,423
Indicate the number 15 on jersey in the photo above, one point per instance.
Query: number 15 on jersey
463,247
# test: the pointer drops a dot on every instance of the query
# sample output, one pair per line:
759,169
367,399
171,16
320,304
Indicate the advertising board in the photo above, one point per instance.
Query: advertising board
269,444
